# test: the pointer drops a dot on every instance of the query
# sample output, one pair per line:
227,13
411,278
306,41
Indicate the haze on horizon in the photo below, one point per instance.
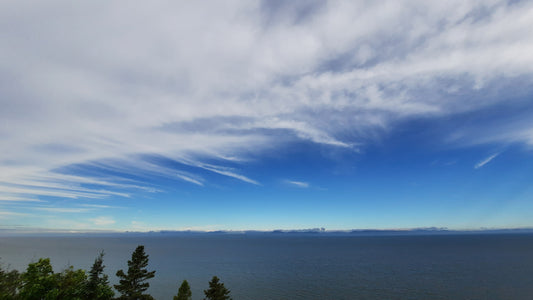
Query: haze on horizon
263,115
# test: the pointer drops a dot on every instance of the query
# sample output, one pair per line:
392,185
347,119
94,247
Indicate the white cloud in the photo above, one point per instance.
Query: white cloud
299,184
486,161
189,179
9,214
138,226
91,83
67,225
18,199
98,206
65,192
63,209
102,221
225,171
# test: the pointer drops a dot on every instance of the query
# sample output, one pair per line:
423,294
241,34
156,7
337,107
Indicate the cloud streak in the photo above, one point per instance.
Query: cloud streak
9,198
486,161
103,221
63,209
9,214
299,184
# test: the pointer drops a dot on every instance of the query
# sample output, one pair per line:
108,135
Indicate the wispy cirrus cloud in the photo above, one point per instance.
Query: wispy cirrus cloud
486,161
93,90
103,221
10,198
101,206
300,184
10,214
63,209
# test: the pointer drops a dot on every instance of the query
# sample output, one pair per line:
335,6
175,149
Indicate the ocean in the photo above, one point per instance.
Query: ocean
300,266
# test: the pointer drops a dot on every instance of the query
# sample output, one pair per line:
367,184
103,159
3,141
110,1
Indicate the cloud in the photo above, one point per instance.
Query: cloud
67,225
46,192
9,198
10,214
138,226
98,206
102,221
97,87
189,179
63,209
299,184
225,171
486,161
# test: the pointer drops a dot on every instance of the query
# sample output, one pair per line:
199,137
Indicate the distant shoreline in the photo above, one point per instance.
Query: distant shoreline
295,232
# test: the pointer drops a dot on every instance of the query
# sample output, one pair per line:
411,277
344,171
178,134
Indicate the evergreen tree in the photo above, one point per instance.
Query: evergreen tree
216,291
184,292
133,284
98,284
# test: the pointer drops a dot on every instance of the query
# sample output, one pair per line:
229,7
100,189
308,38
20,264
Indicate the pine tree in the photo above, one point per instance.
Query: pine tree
184,292
217,290
98,283
133,284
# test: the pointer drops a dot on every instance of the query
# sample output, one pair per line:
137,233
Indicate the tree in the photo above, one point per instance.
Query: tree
39,281
184,292
216,291
9,284
133,284
71,284
98,284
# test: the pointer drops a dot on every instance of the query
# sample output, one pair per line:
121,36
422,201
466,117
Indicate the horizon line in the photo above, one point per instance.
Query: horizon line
29,231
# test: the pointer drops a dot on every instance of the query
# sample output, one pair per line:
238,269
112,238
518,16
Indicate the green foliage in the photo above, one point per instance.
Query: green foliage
184,292
133,284
98,284
9,284
72,284
39,281
217,290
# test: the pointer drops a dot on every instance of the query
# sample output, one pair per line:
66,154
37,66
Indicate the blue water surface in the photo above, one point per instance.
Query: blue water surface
285,266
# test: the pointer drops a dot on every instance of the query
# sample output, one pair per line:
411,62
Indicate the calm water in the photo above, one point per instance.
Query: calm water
307,267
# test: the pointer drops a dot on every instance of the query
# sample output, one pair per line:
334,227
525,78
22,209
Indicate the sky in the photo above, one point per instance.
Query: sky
262,115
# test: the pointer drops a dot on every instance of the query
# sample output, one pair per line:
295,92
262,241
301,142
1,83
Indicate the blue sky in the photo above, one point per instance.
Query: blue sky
175,115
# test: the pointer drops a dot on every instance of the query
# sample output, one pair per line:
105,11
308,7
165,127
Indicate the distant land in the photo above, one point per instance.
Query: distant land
310,231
